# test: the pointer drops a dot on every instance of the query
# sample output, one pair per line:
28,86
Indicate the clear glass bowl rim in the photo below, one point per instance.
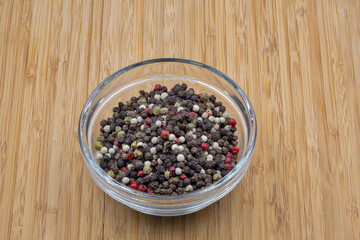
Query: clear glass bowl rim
241,162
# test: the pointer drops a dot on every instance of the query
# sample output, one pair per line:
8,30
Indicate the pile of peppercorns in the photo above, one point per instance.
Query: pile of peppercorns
168,142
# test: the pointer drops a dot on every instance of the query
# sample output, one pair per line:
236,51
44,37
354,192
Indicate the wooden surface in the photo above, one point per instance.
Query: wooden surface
298,61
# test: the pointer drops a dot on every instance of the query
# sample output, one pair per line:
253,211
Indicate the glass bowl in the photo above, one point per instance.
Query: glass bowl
126,83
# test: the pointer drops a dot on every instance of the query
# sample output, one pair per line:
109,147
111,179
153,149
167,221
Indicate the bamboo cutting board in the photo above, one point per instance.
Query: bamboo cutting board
297,60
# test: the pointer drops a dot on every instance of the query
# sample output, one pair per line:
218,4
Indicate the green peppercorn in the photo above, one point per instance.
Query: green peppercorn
127,120
167,174
121,134
133,145
130,114
141,101
164,111
138,154
156,110
147,169
111,173
100,138
98,145
204,97
209,105
216,177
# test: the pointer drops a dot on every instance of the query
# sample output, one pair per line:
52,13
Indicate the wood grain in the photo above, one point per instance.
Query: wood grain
297,60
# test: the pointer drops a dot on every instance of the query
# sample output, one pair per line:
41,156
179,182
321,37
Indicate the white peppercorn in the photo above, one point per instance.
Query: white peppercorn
112,151
125,180
204,138
163,95
158,123
107,128
103,150
178,171
153,150
154,140
126,147
189,188
99,156
196,108
172,137
182,139
180,157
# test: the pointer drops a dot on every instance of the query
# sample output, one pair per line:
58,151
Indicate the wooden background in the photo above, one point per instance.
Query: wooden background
297,60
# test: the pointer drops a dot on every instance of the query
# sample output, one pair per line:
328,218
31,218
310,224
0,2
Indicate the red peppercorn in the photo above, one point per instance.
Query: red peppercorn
116,143
142,188
131,155
177,140
164,134
204,146
229,155
124,169
140,173
148,121
157,87
192,114
134,185
171,168
232,122
228,167
235,150
147,110
227,160
183,176
163,123
149,190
